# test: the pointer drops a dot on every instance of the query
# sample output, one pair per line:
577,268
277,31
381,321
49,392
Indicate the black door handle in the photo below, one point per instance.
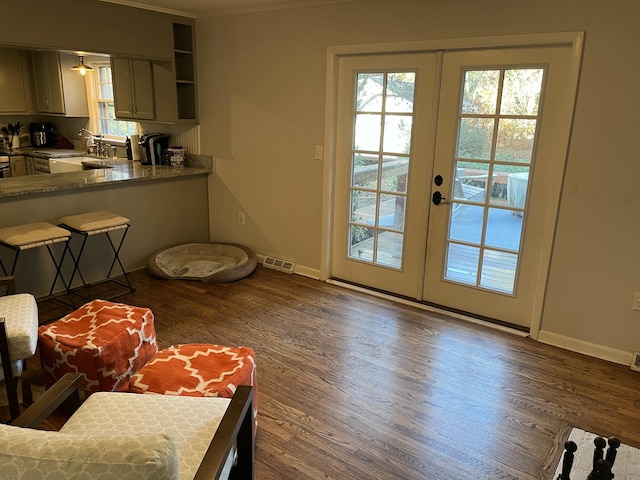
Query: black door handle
437,198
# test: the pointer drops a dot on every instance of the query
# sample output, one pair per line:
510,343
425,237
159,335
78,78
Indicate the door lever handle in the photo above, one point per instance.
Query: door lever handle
437,198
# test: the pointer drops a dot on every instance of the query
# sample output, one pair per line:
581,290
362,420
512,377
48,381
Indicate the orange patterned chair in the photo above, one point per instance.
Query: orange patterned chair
104,341
197,370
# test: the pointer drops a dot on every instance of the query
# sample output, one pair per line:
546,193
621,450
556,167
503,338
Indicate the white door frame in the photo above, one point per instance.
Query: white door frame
573,39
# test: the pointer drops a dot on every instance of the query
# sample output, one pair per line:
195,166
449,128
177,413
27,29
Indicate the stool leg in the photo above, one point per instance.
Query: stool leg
116,258
58,265
76,264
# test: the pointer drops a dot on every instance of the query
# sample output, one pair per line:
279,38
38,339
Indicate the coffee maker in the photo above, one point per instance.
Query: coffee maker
154,146
42,135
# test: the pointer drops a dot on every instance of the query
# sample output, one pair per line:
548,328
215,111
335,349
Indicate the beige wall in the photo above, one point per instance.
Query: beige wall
262,91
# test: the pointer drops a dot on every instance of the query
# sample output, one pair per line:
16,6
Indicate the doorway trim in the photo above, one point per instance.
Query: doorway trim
575,40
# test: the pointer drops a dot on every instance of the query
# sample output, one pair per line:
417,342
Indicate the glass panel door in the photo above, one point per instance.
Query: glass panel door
497,125
380,159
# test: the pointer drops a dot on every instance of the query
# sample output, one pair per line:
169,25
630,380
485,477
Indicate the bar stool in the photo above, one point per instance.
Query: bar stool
95,223
34,235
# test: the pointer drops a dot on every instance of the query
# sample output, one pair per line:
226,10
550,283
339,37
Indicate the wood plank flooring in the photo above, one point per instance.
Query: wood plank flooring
355,387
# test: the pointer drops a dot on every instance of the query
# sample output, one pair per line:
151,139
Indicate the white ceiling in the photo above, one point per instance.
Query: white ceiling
199,8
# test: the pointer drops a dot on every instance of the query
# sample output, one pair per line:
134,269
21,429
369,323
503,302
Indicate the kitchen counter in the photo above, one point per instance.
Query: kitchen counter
42,152
118,171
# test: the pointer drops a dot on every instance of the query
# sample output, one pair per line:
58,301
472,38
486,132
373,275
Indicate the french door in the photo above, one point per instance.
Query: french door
447,171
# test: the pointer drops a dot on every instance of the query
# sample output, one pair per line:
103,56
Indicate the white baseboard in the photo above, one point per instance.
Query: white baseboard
586,348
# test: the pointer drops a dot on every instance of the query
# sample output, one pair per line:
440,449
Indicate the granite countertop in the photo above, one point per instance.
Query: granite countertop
118,171
43,152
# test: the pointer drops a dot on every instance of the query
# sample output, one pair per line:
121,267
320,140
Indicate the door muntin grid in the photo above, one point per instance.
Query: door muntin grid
383,117
495,148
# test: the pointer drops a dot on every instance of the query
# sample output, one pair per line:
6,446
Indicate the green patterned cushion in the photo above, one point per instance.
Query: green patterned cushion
30,454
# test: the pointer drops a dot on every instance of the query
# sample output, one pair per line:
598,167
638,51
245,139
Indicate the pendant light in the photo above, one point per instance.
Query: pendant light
82,67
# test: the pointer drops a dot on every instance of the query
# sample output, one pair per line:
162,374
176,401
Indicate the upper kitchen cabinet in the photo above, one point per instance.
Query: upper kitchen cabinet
185,73
13,94
133,91
58,89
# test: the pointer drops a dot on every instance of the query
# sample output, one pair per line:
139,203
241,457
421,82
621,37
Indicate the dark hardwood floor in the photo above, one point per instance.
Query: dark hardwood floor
355,387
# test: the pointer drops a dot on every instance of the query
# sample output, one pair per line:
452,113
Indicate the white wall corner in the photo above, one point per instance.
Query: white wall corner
587,348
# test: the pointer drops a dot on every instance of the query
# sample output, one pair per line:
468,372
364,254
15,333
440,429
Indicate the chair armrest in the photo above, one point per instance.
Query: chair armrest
236,427
9,283
67,388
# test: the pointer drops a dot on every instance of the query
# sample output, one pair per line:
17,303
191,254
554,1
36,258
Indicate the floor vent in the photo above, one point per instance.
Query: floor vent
279,264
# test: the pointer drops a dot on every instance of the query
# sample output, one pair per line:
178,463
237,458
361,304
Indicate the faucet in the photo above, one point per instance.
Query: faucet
91,138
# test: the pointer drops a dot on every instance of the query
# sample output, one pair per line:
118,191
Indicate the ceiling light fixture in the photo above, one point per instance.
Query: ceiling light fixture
82,67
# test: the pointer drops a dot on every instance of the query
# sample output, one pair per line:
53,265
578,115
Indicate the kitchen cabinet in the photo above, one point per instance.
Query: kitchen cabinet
13,97
58,89
48,82
29,165
133,91
17,165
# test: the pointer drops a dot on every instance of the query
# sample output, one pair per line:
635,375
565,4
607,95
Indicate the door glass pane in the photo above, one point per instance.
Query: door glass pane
475,138
515,140
521,91
389,249
378,189
361,243
367,136
391,211
363,206
369,92
480,94
397,133
466,224
504,229
471,181
365,171
499,271
462,263
491,176
394,174
400,87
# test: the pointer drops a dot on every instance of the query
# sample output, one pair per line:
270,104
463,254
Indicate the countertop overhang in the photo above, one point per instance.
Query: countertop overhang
121,172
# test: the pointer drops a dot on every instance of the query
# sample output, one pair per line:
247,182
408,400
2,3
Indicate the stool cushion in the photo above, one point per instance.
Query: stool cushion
197,370
20,313
107,342
86,222
32,233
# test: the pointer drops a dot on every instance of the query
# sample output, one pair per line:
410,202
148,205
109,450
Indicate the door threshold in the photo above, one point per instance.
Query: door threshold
451,312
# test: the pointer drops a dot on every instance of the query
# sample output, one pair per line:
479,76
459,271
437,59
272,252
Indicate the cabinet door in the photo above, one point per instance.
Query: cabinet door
48,84
12,93
122,93
142,77
30,167
17,165
133,94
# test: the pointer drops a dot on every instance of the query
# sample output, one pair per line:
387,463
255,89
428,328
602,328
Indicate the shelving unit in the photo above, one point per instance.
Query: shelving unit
185,71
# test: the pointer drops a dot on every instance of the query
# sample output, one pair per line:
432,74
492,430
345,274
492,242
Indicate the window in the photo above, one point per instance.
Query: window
103,118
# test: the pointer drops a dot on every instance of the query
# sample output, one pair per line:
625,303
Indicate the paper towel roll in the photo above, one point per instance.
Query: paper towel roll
136,154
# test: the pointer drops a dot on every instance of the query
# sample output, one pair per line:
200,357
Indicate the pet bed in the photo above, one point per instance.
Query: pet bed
208,262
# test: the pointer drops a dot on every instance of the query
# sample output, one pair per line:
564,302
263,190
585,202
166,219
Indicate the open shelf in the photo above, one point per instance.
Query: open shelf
185,71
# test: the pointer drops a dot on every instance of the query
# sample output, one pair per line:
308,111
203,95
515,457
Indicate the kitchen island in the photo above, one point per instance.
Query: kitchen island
165,206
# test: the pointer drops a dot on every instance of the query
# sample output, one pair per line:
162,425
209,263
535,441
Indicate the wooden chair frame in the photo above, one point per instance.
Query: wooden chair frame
10,381
236,426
